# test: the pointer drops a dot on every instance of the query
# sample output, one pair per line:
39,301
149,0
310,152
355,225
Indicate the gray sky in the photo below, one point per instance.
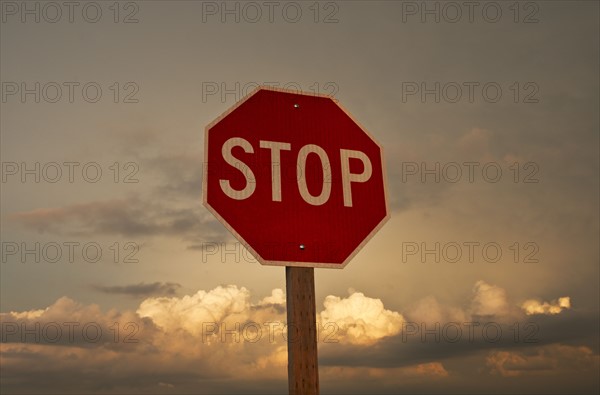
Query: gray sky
516,90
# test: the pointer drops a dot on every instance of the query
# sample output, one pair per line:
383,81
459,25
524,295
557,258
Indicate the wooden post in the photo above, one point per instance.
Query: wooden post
303,368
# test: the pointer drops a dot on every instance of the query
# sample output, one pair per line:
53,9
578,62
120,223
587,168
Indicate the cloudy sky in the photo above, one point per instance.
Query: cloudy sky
116,279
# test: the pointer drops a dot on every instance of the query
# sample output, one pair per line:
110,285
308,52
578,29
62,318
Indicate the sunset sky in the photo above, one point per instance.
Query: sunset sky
116,279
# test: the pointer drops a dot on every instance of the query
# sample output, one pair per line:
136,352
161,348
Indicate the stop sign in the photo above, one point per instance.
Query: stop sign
294,178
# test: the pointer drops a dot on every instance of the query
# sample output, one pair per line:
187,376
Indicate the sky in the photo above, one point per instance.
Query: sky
115,279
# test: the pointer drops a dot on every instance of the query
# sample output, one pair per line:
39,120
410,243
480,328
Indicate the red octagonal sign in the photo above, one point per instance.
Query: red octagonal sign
294,178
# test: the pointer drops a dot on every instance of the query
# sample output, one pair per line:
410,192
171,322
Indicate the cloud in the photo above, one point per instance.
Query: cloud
27,315
211,334
192,313
277,297
360,319
544,360
170,332
275,303
430,370
69,323
475,144
130,216
417,173
356,319
204,315
141,289
489,300
429,310
122,350
181,174
534,306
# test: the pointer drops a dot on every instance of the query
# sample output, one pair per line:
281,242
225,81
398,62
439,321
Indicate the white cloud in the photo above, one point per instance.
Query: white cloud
28,315
277,297
357,319
193,313
534,306
360,319
489,300
428,310
170,334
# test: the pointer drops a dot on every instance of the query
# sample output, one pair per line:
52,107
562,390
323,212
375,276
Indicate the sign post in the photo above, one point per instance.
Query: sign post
300,184
303,367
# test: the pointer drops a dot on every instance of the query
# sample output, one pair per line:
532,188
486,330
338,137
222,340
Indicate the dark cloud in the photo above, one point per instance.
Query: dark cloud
141,289
406,349
277,308
180,174
560,349
67,323
126,217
